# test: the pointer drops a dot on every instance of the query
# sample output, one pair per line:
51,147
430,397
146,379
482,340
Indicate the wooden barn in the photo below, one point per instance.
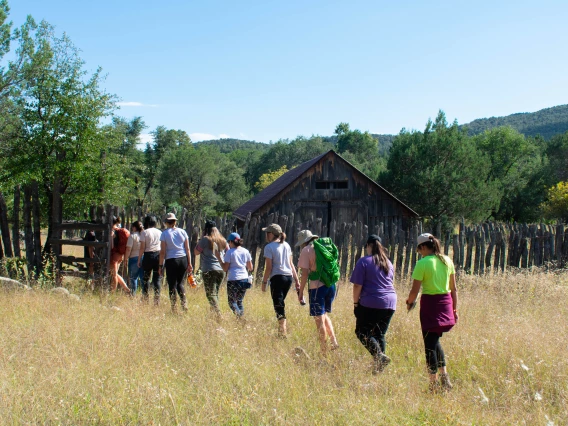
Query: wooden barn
329,188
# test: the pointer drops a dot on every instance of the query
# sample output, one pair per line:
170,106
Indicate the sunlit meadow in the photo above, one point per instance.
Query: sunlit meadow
114,360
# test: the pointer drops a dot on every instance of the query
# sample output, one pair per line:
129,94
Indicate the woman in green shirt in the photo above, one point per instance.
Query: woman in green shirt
435,273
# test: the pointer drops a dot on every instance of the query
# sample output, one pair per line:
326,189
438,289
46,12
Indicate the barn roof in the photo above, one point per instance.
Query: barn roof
280,184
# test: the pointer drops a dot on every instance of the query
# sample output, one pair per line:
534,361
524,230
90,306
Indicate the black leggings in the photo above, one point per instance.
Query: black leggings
371,327
175,272
279,287
434,353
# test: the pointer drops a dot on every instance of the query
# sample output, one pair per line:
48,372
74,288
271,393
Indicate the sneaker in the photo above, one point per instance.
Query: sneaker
445,383
380,363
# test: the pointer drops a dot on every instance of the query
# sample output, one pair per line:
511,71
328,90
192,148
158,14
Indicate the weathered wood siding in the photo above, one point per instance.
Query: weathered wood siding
362,200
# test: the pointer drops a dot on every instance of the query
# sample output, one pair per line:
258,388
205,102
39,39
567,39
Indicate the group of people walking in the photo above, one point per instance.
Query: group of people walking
150,252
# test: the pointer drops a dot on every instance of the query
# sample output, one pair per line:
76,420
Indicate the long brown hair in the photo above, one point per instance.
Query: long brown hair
436,247
214,237
379,254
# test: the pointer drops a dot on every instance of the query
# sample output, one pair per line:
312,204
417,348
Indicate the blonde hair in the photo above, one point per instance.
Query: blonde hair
215,237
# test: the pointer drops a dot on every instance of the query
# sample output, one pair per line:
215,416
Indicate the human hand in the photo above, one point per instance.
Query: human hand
264,287
160,272
410,304
456,316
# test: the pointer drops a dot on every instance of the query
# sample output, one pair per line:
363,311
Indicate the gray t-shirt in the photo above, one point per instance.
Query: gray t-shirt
280,254
208,261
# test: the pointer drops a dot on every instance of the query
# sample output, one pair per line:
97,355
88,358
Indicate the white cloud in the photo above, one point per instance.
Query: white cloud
135,104
199,137
143,139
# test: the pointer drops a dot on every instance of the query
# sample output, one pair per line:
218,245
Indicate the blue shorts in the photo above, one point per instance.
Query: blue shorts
321,300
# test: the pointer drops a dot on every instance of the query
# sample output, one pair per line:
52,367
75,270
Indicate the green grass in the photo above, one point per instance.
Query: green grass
65,362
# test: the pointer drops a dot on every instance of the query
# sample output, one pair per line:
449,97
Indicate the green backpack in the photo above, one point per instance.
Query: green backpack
326,260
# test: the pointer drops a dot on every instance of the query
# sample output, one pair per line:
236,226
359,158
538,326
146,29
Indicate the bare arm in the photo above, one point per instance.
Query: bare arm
413,293
250,268
267,271
224,265
188,251
357,293
454,292
141,252
162,256
295,274
303,280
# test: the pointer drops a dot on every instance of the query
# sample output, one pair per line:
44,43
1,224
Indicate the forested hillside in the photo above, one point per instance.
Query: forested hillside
546,122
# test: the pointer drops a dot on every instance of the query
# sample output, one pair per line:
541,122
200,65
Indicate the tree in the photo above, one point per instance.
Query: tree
267,178
361,149
59,143
556,206
441,173
200,179
164,141
514,161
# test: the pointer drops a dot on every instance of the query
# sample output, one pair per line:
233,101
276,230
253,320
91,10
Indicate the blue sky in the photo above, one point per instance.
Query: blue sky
265,70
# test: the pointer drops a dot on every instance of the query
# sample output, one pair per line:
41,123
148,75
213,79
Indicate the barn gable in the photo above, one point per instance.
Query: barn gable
330,187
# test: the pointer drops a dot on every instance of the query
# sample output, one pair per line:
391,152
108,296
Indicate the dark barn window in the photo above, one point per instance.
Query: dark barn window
342,184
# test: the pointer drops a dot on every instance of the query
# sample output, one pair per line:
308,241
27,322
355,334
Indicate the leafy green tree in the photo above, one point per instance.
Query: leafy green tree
556,206
200,179
60,107
441,173
361,149
514,161
267,178
164,141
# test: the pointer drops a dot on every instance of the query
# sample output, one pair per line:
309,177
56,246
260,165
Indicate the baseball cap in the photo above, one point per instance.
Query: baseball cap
273,228
424,238
234,236
374,237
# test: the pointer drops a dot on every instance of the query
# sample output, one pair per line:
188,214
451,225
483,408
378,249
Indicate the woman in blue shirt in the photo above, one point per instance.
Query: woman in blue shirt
175,252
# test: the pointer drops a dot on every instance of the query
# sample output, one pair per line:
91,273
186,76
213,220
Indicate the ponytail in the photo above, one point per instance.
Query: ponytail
380,258
436,247
281,237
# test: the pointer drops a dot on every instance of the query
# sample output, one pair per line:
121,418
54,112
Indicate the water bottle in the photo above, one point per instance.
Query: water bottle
191,280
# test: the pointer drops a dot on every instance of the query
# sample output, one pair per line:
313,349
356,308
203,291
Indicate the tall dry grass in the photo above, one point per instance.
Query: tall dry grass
84,362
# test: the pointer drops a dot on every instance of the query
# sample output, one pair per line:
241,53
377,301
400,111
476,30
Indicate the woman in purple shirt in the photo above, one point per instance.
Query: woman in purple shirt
374,298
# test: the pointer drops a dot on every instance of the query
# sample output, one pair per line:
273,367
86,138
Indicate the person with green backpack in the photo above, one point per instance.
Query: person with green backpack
318,263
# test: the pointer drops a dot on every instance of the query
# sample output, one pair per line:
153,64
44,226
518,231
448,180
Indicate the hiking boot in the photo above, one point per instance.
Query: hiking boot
445,383
380,363
434,387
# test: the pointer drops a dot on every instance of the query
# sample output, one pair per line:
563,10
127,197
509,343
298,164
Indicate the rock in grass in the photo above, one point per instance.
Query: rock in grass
115,308
60,290
10,284
74,298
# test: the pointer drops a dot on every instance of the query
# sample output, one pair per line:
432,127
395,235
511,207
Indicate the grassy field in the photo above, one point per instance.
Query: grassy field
66,362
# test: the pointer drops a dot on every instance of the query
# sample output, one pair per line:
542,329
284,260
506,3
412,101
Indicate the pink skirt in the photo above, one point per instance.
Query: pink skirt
437,313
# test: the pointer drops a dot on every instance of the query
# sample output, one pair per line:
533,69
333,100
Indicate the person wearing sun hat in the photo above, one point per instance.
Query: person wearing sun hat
176,257
237,263
321,296
279,268
435,274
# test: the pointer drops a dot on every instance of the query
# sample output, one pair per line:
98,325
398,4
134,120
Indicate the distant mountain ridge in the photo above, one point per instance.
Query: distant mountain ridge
546,123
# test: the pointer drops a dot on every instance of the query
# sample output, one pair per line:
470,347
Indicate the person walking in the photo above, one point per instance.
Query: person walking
435,274
117,251
135,272
237,263
213,275
149,258
279,268
374,300
176,258
315,265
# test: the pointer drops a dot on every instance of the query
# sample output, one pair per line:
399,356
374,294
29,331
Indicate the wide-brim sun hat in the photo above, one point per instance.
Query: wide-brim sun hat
305,237
170,217
424,238
273,228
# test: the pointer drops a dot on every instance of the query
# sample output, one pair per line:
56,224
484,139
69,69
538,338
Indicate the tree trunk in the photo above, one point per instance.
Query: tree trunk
16,227
28,230
37,229
5,229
